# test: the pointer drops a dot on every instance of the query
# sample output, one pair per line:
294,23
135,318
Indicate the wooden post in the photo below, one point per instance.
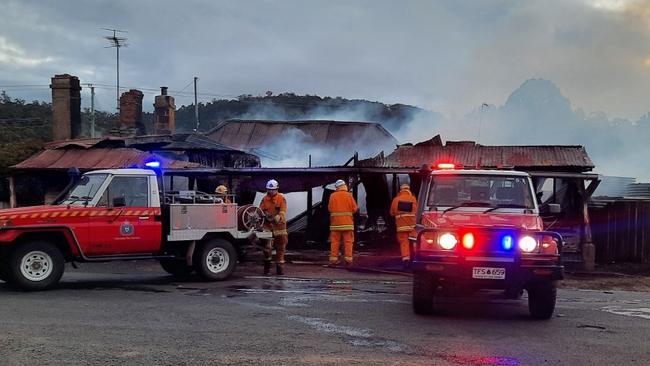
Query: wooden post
309,209
12,192
355,182
588,247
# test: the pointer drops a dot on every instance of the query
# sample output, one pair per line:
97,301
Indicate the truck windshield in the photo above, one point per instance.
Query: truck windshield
493,192
85,189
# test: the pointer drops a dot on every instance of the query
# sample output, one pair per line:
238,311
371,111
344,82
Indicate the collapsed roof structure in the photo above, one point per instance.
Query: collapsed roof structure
572,158
278,140
46,171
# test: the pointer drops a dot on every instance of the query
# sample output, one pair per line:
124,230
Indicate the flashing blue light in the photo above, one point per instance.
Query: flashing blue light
152,164
507,242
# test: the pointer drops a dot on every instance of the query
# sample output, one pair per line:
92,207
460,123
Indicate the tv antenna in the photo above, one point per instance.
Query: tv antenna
117,43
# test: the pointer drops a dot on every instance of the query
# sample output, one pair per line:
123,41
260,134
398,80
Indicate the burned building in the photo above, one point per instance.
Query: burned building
561,175
290,143
46,170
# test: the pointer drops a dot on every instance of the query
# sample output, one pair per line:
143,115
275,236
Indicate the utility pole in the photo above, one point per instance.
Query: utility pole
92,110
116,42
196,106
480,121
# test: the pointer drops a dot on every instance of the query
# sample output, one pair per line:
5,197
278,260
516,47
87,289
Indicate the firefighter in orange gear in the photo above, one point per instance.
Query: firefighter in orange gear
274,206
222,192
342,208
403,208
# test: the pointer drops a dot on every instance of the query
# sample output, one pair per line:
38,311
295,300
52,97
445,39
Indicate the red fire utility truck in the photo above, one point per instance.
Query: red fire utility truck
481,229
124,214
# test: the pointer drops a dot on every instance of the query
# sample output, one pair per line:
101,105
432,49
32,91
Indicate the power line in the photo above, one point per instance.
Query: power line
25,86
185,87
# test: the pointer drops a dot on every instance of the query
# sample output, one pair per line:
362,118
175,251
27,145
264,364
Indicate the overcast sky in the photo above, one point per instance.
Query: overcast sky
447,56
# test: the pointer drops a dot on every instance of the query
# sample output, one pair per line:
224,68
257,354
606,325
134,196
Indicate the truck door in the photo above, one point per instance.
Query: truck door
124,221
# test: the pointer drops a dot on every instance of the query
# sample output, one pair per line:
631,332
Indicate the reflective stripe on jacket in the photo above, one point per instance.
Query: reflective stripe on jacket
404,220
342,208
272,206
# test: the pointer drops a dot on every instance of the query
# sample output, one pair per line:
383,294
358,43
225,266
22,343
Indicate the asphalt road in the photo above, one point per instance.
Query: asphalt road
136,314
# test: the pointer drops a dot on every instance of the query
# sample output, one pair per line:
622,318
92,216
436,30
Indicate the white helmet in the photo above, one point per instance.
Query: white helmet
272,184
339,183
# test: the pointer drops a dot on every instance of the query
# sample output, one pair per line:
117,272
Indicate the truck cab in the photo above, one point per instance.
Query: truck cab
123,214
481,230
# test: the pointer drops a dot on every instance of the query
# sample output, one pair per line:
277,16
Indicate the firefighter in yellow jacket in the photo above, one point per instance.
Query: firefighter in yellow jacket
403,208
274,206
342,208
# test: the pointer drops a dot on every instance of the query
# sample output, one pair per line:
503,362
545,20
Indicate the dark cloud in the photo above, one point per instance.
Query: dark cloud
447,56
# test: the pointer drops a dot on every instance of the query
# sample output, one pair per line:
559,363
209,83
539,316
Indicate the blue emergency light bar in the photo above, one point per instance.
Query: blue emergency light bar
152,164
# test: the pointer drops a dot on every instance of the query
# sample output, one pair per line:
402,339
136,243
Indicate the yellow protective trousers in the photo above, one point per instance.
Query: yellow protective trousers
280,244
403,240
336,237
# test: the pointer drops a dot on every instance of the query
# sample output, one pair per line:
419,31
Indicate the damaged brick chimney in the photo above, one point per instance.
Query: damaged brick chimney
164,113
66,107
131,113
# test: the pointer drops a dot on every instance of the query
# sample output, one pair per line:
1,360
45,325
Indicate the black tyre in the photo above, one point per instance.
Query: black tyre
541,300
423,289
37,265
216,260
4,269
176,267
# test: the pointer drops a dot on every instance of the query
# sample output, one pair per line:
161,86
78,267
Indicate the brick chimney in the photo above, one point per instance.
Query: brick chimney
164,113
131,112
66,107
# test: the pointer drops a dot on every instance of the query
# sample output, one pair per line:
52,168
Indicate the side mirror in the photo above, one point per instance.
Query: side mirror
554,208
119,202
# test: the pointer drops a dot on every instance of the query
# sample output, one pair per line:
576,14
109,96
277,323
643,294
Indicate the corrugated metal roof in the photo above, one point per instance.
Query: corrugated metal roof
85,143
254,134
96,158
470,154
195,141
184,141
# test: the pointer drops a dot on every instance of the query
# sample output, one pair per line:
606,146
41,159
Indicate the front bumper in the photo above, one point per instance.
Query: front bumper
516,274
516,269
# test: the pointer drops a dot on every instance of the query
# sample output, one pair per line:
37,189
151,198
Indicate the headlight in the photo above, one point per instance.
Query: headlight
6,223
527,244
447,241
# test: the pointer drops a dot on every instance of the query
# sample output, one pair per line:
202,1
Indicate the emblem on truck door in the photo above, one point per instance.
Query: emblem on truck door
127,229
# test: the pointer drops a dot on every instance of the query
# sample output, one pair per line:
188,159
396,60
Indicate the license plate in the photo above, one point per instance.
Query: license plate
489,273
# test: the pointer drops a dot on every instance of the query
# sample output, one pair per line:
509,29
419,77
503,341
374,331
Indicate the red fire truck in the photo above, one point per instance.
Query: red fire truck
481,229
124,214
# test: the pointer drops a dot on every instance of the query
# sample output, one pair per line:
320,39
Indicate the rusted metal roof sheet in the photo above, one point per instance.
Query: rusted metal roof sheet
96,158
186,141
86,143
254,134
469,154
